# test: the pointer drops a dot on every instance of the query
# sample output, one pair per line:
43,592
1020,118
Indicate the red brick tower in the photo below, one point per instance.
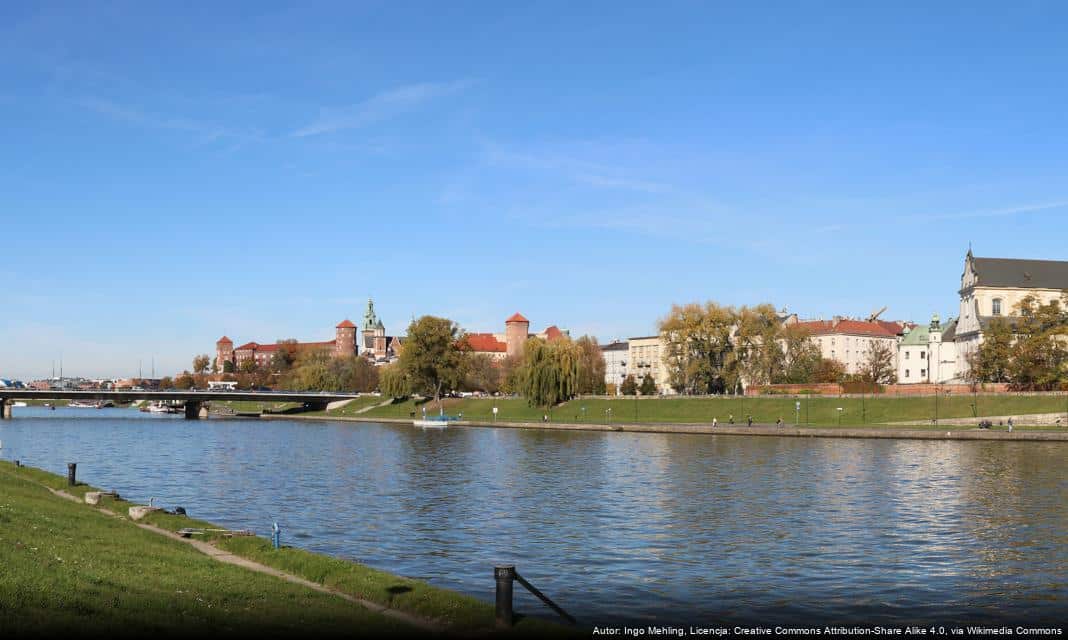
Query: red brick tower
224,352
516,330
345,339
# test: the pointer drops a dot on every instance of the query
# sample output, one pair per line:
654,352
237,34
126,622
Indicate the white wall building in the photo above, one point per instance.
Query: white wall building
992,287
849,341
615,355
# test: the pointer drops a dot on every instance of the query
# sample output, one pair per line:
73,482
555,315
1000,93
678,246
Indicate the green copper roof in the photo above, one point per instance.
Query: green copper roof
917,337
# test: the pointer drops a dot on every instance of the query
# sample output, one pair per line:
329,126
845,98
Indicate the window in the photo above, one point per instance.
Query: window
923,372
832,353
907,353
923,355
906,373
996,306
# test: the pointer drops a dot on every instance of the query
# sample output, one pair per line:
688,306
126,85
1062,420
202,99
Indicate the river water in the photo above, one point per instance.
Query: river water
616,527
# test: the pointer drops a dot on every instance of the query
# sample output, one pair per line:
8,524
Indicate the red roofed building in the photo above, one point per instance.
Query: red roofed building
343,344
510,343
849,341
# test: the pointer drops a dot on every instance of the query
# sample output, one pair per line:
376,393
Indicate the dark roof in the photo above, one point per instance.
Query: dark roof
615,346
949,332
1024,274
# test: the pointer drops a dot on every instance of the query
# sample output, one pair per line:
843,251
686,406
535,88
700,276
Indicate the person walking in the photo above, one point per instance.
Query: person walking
1010,425
778,423
713,421
730,419
749,420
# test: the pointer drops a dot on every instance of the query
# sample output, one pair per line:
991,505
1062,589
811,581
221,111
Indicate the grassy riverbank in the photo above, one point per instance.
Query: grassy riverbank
69,568
816,411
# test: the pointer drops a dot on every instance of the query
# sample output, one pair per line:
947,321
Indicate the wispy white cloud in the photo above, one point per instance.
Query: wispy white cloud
996,213
382,106
205,132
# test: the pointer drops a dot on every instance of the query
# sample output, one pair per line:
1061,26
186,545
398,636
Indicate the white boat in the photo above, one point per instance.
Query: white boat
18,403
83,404
159,407
435,422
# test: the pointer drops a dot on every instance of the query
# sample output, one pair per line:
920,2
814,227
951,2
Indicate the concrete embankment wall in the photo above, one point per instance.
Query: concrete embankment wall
739,430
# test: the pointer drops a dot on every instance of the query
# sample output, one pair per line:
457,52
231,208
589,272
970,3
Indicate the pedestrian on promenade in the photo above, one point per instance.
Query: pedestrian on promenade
713,421
778,423
730,419
749,419
1010,425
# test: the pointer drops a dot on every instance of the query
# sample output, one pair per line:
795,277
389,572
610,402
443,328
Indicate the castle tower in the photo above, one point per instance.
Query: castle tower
224,352
516,330
345,339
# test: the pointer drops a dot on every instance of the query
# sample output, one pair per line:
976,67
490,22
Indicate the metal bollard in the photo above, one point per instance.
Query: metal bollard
71,468
505,576
276,537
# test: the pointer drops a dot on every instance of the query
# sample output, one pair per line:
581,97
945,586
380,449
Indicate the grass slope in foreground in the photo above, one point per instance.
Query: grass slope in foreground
65,567
814,411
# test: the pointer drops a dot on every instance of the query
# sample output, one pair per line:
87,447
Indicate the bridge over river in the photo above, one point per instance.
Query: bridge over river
193,400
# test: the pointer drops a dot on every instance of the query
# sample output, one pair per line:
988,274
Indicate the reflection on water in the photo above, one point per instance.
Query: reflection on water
636,527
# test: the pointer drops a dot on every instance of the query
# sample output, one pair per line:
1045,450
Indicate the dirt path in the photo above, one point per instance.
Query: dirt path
226,557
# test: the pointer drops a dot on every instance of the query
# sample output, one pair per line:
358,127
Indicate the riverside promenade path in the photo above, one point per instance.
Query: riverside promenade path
788,431
220,555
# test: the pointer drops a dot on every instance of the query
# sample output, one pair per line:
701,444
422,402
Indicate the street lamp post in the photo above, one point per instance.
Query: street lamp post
839,416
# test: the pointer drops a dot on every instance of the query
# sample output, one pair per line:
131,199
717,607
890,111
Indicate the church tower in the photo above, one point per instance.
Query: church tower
370,327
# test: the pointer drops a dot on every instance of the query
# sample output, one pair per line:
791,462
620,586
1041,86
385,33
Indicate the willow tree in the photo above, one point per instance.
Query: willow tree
550,371
591,366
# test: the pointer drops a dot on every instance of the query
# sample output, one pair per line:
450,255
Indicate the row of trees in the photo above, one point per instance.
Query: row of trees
437,358
711,348
1029,351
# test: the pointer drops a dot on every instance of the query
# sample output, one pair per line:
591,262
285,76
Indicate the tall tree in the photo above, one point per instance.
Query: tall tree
483,374
802,356
201,363
991,360
1039,355
879,365
757,345
393,382
591,366
549,374
698,351
434,358
648,387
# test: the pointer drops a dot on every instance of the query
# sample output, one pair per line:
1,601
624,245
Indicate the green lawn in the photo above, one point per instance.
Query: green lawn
91,572
822,411
67,568
354,407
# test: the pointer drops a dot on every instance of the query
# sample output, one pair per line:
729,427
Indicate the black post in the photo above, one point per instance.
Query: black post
71,468
18,463
505,576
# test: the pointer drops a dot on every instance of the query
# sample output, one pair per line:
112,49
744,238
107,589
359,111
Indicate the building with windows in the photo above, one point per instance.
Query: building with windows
343,344
928,354
645,357
992,287
510,343
615,356
849,341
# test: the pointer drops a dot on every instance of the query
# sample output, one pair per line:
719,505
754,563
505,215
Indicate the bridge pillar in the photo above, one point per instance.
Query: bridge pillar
192,409
5,409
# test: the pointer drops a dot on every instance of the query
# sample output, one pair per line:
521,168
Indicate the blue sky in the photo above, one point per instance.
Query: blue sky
168,175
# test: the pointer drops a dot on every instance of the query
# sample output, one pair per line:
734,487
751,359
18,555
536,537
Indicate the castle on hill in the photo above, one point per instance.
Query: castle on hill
374,344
